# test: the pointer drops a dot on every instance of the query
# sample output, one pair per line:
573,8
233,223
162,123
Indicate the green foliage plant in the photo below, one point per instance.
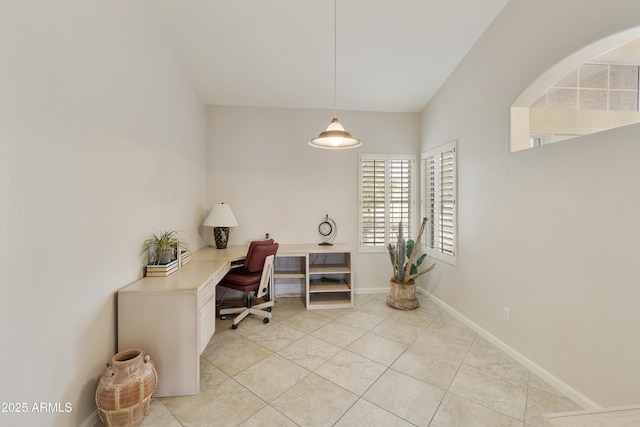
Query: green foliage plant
404,272
163,242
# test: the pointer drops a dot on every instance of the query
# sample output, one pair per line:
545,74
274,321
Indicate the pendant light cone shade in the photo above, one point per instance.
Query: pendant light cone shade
335,137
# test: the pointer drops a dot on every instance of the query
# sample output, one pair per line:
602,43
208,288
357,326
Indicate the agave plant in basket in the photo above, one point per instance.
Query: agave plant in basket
403,286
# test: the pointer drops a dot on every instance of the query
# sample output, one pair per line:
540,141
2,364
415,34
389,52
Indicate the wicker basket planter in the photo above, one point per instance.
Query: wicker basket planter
402,295
125,389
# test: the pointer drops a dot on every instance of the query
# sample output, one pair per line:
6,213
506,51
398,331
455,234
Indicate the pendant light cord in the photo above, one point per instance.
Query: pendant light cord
335,57
335,137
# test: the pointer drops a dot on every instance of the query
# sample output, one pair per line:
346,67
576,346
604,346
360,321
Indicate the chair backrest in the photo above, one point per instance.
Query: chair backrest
257,253
260,256
267,277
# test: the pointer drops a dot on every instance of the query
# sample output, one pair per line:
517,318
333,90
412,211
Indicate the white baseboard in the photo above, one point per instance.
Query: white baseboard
624,416
91,420
371,290
554,381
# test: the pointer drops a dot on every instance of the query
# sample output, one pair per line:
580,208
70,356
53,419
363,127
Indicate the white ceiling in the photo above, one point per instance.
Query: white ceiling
391,56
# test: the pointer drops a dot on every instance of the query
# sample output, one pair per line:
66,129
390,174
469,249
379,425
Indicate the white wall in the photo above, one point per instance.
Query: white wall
102,142
260,163
552,232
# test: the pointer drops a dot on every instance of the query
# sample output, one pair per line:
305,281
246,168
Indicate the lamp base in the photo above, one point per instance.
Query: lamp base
221,235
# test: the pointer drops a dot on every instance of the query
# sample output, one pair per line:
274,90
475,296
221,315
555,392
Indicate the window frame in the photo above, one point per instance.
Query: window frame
434,224
388,227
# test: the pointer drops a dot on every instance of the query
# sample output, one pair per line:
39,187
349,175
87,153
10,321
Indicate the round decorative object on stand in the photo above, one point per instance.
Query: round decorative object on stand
125,389
327,230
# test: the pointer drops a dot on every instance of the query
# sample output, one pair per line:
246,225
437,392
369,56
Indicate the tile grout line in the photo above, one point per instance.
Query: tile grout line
387,368
344,347
453,377
462,362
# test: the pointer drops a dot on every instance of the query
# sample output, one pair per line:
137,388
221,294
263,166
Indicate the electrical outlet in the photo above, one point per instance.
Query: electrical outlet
506,314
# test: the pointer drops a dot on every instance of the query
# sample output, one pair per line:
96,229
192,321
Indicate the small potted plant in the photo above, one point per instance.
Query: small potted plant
403,286
162,249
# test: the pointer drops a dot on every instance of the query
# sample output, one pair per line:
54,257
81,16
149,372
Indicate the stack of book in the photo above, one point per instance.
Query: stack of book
162,270
184,257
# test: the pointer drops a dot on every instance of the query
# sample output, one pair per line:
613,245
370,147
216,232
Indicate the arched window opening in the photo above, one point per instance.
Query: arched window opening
589,92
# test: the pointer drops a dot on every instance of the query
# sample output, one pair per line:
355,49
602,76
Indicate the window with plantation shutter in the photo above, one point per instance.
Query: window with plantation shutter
439,187
386,198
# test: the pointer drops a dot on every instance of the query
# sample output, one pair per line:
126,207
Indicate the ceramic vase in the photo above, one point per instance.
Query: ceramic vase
125,389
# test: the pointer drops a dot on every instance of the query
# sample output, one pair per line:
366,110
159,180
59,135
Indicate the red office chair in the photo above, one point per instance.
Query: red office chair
256,275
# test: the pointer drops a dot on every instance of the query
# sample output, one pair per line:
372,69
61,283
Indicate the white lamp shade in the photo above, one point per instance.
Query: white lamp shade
335,138
221,216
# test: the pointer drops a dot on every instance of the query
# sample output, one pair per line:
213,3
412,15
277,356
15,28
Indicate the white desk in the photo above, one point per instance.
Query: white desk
173,318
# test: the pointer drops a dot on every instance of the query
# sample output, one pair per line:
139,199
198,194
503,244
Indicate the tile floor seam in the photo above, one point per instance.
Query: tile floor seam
361,395
445,392
449,334
347,411
377,406
267,403
342,348
526,399
175,417
485,405
390,367
453,377
448,387
444,395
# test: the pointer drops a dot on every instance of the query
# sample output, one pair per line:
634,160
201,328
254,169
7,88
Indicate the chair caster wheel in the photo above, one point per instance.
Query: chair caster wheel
265,320
234,326
223,317
269,309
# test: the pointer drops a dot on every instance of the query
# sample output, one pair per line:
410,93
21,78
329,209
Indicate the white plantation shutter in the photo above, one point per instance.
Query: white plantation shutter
386,198
400,200
373,194
439,201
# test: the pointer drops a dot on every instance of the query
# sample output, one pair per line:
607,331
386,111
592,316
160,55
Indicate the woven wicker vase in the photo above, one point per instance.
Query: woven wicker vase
125,389
402,296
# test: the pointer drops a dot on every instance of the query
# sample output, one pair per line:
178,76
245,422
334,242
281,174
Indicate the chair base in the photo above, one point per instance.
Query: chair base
257,310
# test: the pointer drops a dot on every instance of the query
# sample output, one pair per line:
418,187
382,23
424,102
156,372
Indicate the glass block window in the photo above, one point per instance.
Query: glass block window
604,87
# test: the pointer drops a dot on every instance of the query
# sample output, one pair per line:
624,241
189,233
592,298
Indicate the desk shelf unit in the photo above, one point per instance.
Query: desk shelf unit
329,278
290,272
301,268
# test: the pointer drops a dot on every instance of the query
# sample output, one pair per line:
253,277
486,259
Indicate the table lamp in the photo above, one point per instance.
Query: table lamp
221,218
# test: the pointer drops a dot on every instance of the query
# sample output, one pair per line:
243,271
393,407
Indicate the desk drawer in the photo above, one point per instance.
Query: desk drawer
207,323
206,294
209,290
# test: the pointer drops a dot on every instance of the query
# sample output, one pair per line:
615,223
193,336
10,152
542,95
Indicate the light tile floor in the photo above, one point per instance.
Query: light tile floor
367,366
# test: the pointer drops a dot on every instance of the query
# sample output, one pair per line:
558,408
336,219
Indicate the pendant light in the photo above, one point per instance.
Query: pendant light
335,137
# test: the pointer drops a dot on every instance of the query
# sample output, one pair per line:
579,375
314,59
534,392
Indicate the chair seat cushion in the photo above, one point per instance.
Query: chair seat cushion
241,279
